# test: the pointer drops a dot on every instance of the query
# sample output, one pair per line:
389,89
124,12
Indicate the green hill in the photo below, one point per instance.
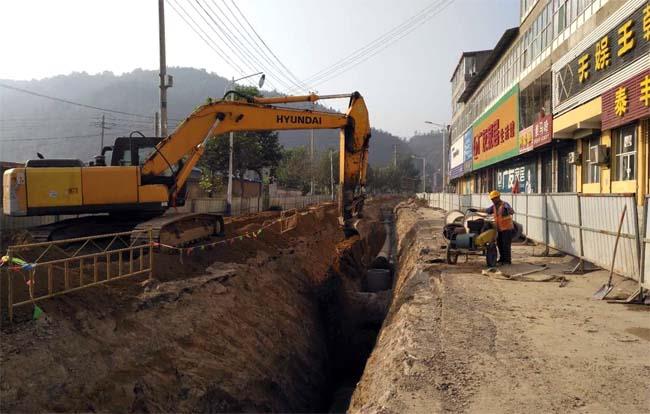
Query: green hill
29,124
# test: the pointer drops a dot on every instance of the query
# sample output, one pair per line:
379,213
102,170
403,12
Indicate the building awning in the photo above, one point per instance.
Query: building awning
584,118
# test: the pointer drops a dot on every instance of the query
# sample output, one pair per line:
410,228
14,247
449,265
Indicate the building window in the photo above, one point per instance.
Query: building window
625,147
591,172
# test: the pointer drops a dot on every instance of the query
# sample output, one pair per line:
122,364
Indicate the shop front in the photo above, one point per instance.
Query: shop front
598,104
625,114
495,139
518,177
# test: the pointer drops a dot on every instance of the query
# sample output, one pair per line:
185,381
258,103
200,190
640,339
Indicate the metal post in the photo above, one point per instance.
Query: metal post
444,162
331,176
527,214
150,253
424,175
101,142
545,215
581,264
230,161
311,155
10,288
156,124
637,237
163,69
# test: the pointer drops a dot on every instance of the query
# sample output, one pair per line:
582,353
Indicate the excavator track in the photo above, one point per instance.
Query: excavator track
183,229
177,229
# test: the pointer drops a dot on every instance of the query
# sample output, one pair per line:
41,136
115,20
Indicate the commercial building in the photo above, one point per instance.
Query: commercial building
561,104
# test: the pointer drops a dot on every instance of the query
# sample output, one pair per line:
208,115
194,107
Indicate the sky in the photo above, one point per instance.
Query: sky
404,84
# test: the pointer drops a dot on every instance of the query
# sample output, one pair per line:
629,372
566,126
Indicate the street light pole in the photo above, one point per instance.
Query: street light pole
424,172
232,139
445,132
331,176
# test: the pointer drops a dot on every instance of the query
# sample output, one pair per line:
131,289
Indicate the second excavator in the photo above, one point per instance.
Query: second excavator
139,193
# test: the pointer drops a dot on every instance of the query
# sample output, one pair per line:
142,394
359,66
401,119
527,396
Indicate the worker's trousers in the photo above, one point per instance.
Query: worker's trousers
504,243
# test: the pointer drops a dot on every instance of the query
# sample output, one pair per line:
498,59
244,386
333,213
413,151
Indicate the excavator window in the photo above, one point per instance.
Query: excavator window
132,151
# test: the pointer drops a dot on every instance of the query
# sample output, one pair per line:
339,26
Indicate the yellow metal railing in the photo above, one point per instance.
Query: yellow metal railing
39,271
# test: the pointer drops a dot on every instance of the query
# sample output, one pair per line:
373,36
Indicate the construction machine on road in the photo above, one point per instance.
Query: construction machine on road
146,176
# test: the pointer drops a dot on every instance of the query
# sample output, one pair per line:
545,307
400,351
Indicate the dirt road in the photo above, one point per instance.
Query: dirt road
459,341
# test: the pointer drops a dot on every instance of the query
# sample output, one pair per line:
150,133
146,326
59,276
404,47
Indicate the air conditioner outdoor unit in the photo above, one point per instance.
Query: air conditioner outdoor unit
574,158
599,155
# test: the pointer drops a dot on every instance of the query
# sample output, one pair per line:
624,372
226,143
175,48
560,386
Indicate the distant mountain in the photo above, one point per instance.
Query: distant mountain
29,124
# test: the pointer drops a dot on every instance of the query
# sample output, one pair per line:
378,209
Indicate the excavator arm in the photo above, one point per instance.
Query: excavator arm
257,114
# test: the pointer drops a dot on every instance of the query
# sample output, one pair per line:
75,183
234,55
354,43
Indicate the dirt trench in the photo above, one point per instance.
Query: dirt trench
274,324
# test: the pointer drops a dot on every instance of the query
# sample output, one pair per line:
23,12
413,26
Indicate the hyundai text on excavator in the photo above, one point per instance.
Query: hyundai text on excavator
139,188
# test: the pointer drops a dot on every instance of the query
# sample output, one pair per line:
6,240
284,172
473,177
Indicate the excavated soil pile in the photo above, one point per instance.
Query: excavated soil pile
258,325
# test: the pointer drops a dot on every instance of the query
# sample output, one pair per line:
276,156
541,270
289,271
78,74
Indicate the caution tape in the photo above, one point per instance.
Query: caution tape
190,250
19,264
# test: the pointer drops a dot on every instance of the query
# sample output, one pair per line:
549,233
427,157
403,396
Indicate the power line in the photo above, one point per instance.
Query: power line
229,30
48,138
266,46
215,48
259,50
230,42
97,108
253,50
245,63
379,44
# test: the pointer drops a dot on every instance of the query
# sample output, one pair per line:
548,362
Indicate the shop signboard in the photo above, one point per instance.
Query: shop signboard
626,42
456,158
543,131
526,140
627,102
468,141
496,133
522,173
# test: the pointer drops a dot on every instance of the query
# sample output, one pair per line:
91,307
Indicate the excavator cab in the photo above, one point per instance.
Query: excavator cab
132,150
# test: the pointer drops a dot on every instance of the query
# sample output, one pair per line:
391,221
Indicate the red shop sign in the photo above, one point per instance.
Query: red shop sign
626,102
543,131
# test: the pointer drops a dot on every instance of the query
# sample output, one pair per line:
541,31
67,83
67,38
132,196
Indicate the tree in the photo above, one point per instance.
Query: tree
293,171
251,151
322,170
393,179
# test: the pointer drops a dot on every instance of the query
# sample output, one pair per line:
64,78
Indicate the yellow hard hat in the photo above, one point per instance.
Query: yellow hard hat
494,194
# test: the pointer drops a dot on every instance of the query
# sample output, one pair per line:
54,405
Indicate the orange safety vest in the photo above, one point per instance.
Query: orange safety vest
502,223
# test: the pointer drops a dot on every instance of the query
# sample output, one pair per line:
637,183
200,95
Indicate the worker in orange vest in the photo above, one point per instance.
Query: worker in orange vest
504,223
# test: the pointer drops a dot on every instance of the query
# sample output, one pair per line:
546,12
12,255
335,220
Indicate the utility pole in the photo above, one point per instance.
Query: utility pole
230,161
331,176
445,158
101,142
394,155
444,128
156,124
164,82
424,172
232,139
311,153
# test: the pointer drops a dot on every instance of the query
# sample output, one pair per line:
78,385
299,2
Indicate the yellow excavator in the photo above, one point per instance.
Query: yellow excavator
146,177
